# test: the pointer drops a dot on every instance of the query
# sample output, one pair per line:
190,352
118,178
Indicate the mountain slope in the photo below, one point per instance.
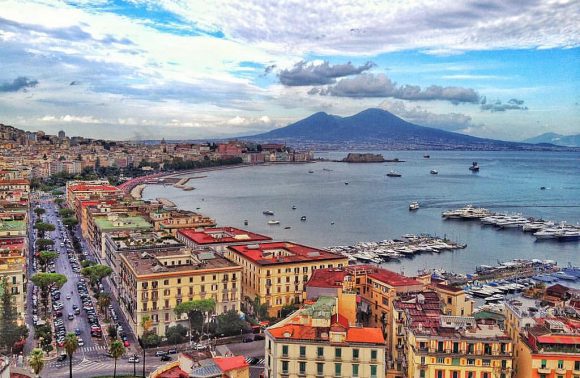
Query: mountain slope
557,139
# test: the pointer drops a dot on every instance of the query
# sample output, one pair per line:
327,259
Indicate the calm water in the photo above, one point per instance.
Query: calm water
375,207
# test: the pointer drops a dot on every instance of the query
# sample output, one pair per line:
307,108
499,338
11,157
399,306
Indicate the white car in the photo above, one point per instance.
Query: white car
80,342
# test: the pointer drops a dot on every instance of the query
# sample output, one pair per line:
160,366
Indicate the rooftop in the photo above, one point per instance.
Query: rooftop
92,188
219,235
329,278
174,262
130,240
282,253
386,276
117,221
12,225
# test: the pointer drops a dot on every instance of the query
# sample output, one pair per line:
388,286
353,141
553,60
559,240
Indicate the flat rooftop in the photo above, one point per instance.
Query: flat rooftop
130,240
220,235
386,276
283,253
121,222
12,225
174,262
92,188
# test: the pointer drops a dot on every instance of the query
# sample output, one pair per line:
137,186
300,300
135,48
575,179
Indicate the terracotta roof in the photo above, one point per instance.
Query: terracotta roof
174,372
454,289
365,335
559,339
268,253
330,278
230,363
389,277
218,235
87,188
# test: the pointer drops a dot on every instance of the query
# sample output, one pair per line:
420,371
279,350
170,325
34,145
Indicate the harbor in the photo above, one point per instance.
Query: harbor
541,229
387,250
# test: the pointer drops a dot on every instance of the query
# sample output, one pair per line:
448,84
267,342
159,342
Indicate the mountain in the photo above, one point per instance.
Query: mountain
380,128
557,139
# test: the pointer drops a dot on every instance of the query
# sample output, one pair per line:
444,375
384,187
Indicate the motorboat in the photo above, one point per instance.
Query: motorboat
273,222
303,218
426,156
434,172
414,206
268,212
474,167
293,207
394,174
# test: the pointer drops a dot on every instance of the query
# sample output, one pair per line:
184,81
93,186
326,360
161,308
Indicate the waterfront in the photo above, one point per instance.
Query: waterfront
373,207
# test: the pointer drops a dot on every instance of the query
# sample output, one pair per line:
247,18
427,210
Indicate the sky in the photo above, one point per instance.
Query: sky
189,69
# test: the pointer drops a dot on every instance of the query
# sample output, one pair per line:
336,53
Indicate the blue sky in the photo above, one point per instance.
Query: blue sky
194,69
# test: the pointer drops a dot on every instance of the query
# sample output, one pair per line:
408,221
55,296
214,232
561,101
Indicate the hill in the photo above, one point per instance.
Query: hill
557,139
379,128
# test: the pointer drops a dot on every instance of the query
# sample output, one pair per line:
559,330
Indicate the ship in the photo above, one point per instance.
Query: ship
268,212
434,172
273,222
474,167
394,174
414,206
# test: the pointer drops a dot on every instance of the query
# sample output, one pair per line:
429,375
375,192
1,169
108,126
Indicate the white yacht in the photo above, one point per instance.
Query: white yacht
273,222
414,206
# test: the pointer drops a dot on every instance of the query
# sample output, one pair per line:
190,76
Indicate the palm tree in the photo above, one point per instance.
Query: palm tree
117,349
71,344
103,302
36,360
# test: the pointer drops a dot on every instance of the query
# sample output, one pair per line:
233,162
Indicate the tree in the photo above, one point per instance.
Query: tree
96,273
117,349
58,201
45,281
260,309
112,331
43,243
146,323
42,228
45,257
66,212
103,302
87,263
71,344
70,222
193,309
176,334
10,331
39,211
229,323
36,360
151,339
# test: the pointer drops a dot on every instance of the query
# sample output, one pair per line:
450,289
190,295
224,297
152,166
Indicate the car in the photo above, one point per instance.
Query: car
77,331
80,341
160,353
71,316
74,306
259,337
198,346
134,360
172,351
248,339
77,311
126,344
165,358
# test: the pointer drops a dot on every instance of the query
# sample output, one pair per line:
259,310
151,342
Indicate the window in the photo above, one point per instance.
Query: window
285,350
179,280
440,346
543,364
470,361
486,362
373,371
439,374
421,373
337,353
373,354
302,351
484,375
440,360
576,365
166,282
320,352
455,361
355,370
449,300
319,368
470,374
338,370
560,364
190,279
355,354
302,367
454,374
285,367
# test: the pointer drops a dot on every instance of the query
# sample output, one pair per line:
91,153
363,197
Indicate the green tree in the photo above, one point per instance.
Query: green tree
146,323
112,331
42,228
103,301
193,309
96,273
260,309
229,323
36,360
59,201
176,334
117,349
39,211
66,212
71,344
87,263
43,243
70,222
44,281
151,339
10,331
45,257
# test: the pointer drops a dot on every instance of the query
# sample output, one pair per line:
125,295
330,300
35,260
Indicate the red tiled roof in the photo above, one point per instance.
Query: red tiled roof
174,372
329,278
454,289
559,339
389,277
95,188
230,363
14,182
210,235
295,253
365,335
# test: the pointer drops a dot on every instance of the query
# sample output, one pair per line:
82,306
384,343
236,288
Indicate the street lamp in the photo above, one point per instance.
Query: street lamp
134,364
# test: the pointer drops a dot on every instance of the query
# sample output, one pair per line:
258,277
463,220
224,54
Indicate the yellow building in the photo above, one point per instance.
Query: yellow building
277,272
13,270
152,284
431,345
319,341
454,301
175,220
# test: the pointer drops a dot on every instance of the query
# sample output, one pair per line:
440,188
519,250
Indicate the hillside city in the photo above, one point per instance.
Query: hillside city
96,281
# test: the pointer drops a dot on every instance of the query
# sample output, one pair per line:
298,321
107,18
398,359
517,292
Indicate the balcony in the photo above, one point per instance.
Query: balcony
560,371
544,370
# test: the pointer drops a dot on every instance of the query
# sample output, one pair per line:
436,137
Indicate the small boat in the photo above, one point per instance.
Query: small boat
433,172
273,222
287,227
394,174
268,212
414,206
245,222
331,223
346,183
542,188
426,156
327,170
303,218
310,171
474,167
293,207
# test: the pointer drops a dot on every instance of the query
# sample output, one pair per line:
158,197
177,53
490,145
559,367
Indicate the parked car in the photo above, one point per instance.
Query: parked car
172,351
134,359
62,357
165,358
160,353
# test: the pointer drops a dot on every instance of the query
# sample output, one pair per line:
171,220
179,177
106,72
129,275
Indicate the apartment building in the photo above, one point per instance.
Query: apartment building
152,284
276,272
174,220
218,238
13,251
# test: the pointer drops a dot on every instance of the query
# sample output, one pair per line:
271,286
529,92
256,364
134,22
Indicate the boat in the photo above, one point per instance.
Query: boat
293,207
245,222
273,222
433,172
287,227
426,156
474,167
394,174
564,276
303,218
346,183
310,171
542,188
414,206
268,212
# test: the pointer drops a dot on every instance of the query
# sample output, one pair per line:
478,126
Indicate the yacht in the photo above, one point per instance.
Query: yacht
273,222
303,218
414,206
434,172
426,156
394,174
268,212
293,207
474,167
536,226
512,222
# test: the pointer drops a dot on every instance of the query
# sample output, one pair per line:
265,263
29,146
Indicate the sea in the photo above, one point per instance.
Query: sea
374,207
